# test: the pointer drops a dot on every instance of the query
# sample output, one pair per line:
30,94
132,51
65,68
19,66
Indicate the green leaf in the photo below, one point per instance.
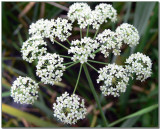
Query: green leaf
27,116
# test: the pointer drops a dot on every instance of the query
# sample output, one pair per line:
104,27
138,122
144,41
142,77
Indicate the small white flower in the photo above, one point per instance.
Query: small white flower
115,80
129,34
69,109
24,90
50,68
33,48
139,64
109,41
83,49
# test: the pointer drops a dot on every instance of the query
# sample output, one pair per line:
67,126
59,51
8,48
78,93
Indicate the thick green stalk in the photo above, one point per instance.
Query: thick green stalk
98,62
95,94
87,31
71,65
68,41
81,33
61,44
65,56
92,67
68,63
78,79
96,33
98,50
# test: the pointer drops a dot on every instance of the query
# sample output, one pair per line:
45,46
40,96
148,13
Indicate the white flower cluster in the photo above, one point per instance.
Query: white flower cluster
50,68
41,27
69,109
59,28
33,48
83,49
109,41
85,16
140,65
129,34
24,90
115,79
102,13
80,12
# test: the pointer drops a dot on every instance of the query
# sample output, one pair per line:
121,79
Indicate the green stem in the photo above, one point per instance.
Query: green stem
40,82
78,78
96,33
95,94
92,67
71,65
68,63
81,33
68,41
60,44
65,56
87,31
98,50
98,62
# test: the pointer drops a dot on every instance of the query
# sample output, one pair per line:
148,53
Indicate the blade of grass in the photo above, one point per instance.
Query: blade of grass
28,117
105,122
6,94
142,14
138,113
130,122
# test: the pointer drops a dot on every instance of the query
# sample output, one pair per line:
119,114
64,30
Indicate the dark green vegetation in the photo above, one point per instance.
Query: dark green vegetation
135,108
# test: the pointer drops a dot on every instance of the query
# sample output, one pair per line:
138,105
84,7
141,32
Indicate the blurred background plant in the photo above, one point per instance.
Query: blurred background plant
138,107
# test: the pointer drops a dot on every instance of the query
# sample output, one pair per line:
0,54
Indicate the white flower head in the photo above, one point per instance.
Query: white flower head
83,49
41,27
81,13
139,64
24,90
102,13
109,41
129,34
61,29
33,48
69,109
50,68
114,78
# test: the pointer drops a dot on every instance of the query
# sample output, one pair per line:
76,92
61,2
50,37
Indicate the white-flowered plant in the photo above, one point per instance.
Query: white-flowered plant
109,41
69,109
83,49
129,34
113,78
24,90
33,48
140,65
50,68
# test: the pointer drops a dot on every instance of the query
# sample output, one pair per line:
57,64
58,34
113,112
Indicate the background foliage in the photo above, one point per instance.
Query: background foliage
135,108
